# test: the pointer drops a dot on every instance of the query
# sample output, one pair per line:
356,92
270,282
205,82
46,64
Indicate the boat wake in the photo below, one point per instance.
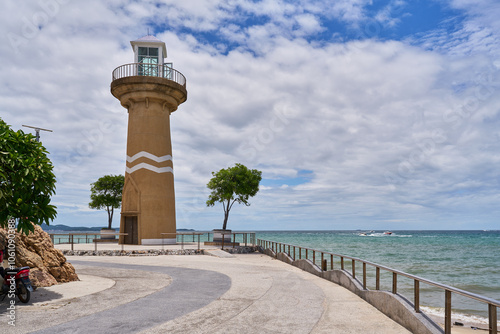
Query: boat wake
384,234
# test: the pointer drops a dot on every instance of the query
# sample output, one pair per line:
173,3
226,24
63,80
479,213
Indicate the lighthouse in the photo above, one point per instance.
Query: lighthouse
151,90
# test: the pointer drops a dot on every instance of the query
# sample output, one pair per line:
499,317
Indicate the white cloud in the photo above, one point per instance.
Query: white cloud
391,132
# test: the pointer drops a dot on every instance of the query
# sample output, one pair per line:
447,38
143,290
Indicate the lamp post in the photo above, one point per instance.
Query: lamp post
37,131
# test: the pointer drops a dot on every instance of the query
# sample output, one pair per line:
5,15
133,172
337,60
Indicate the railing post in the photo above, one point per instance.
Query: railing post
324,264
331,261
492,315
447,312
322,259
314,257
300,253
306,253
342,262
294,253
377,278
394,283
353,269
364,276
416,294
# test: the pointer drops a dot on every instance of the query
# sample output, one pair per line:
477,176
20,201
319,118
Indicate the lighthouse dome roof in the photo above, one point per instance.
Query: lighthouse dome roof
148,38
150,41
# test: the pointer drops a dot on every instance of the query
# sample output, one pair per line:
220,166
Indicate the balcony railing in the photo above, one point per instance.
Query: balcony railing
327,260
150,70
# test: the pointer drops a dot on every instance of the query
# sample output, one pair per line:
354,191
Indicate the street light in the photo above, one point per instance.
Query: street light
37,130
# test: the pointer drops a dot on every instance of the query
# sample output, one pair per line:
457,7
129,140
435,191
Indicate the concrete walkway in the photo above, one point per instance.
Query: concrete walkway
204,294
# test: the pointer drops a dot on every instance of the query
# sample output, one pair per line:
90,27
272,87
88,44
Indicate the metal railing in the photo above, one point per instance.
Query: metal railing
72,238
247,238
290,250
69,238
182,234
149,70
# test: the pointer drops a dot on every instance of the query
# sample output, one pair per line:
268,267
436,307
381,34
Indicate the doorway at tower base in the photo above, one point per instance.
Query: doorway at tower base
166,241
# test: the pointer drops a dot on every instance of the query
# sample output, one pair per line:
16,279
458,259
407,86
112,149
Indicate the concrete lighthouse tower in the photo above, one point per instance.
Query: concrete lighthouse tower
150,90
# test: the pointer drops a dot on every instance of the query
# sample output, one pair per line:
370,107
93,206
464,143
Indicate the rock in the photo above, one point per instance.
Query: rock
48,264
40,278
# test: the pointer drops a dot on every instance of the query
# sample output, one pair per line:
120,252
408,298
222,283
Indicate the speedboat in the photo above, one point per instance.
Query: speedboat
387,232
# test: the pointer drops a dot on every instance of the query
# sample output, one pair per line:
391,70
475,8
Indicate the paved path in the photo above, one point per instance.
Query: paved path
190,290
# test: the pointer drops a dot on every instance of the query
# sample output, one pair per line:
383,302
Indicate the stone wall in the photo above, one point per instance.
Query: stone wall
48,264
147,252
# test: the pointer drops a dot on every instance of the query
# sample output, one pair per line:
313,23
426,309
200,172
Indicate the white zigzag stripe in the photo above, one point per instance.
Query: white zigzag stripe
149,167
149,156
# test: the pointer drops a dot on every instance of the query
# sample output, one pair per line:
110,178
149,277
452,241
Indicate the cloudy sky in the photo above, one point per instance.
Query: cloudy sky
361,114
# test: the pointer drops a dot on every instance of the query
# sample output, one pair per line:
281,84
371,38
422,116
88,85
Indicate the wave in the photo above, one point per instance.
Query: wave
469,319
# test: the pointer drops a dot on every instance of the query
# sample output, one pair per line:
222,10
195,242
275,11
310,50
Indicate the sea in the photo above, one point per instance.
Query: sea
468,260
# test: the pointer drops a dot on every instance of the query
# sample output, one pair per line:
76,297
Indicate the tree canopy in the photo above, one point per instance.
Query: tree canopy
106,193
26,180
231,185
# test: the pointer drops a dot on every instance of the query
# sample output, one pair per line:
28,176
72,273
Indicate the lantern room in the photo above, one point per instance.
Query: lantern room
149,54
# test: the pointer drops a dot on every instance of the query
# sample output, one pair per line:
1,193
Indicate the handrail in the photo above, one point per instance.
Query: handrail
492,303
149,70
246,237
182,234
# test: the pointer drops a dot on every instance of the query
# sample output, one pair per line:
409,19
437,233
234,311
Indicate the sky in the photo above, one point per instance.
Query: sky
361,114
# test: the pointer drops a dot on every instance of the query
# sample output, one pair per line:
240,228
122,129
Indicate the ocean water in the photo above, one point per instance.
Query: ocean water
469,260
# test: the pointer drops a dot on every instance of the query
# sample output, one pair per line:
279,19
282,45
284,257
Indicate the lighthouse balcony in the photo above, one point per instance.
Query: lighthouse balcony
150,70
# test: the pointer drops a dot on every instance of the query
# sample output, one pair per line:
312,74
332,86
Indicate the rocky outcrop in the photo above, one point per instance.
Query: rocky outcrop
48,264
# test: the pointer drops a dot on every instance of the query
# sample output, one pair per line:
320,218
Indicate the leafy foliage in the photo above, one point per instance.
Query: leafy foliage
233,184
26,180
106,193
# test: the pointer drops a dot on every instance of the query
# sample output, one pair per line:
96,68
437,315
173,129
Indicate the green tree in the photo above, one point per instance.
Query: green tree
233,184
106,193
26,180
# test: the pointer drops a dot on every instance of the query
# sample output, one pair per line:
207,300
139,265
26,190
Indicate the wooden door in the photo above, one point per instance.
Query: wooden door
132,237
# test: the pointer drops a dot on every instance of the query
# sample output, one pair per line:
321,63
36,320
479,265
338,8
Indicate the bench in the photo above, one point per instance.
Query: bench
96,241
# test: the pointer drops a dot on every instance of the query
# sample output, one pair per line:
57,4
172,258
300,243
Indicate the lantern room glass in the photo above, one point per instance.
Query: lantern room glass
148,61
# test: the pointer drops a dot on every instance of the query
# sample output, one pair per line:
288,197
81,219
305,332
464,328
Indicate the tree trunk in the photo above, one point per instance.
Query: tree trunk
226,215
110,217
